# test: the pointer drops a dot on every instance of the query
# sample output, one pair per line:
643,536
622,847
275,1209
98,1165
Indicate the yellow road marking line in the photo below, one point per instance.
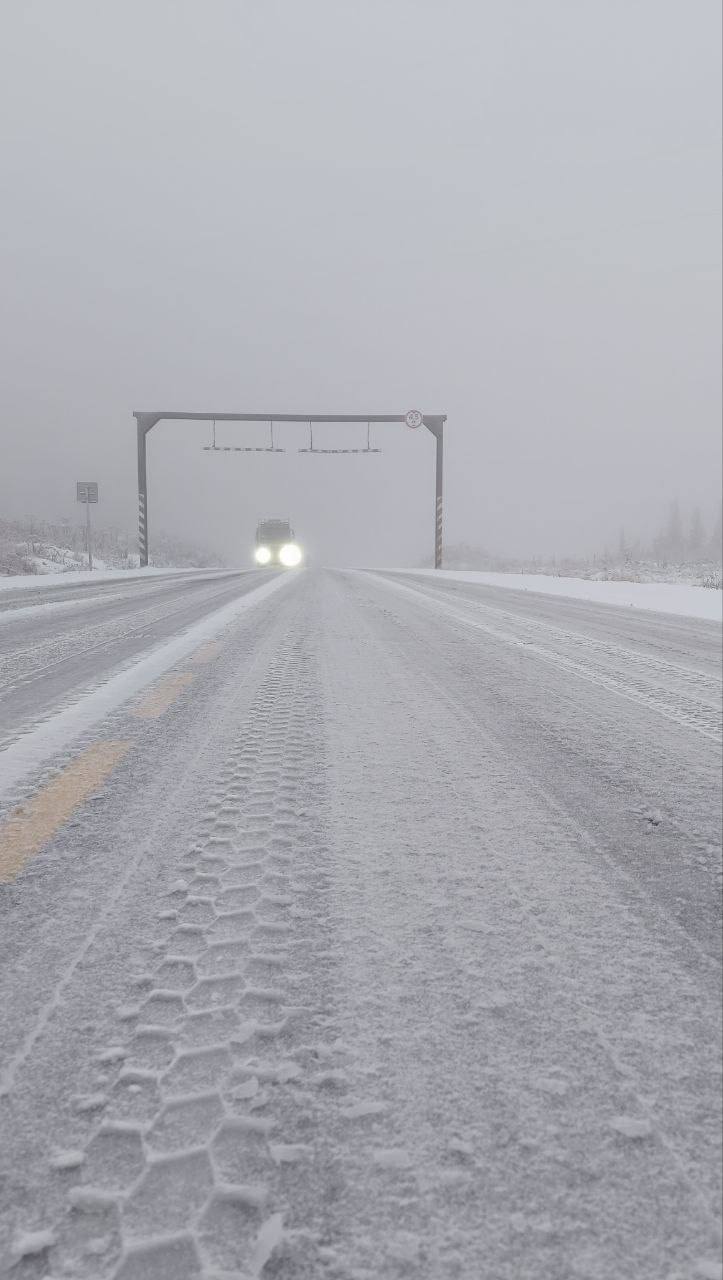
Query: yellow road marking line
165,693
31,825
207,652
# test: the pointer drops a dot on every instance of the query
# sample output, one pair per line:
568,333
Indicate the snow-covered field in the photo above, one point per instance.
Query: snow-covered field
39,547
663,597
377,938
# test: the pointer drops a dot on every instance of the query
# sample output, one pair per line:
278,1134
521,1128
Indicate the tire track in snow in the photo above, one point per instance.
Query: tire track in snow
20,668
24,757
191,1145
570,994
696,707
372,1064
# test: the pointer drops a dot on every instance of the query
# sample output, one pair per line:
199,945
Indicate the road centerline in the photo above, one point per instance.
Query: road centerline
32,824
163,695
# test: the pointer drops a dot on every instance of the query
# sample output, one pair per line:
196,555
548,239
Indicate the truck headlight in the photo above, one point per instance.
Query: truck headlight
290,555
262,555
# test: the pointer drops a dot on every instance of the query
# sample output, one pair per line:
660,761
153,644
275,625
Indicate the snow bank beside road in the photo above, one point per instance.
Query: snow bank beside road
661,597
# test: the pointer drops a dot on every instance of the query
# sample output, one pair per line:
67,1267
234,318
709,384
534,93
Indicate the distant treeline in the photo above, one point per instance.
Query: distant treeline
683,549
683,537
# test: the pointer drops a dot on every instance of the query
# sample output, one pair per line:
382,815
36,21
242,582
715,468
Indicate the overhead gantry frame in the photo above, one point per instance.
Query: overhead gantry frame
146,421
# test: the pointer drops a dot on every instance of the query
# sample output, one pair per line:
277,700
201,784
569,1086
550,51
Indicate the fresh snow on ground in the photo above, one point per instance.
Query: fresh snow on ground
28,581
33,750
661,597
54,605
390,952
57,555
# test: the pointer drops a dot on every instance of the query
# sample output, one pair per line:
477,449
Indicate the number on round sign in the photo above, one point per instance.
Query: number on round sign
413,418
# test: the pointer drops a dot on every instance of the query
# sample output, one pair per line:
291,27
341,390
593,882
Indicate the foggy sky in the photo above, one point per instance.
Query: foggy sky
503,210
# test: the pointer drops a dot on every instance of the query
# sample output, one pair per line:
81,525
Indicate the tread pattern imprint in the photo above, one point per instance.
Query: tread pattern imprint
206,1098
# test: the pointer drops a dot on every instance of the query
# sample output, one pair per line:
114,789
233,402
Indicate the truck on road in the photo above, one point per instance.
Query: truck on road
276,544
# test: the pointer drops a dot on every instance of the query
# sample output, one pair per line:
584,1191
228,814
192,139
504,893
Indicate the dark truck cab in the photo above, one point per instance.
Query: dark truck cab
276,544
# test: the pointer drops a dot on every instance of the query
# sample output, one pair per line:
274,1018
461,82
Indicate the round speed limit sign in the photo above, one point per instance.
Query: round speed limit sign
413,418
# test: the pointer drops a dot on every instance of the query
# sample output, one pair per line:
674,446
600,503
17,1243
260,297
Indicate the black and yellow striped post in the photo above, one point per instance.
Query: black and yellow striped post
435,424
142,498
144,423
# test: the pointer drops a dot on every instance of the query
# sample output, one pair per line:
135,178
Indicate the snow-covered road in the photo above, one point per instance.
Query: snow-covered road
55,640
371,931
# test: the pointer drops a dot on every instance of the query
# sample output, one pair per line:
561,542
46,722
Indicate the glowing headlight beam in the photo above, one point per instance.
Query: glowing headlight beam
290,555
262,555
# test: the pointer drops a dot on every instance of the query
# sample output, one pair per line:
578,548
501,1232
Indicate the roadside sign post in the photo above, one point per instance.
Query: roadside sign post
87,491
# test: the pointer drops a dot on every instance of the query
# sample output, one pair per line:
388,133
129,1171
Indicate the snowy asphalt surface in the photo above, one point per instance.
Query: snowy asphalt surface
378,937
56,639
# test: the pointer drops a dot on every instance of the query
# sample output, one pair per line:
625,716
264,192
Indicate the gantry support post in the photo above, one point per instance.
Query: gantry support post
436,426
438,500
144,422
142,498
